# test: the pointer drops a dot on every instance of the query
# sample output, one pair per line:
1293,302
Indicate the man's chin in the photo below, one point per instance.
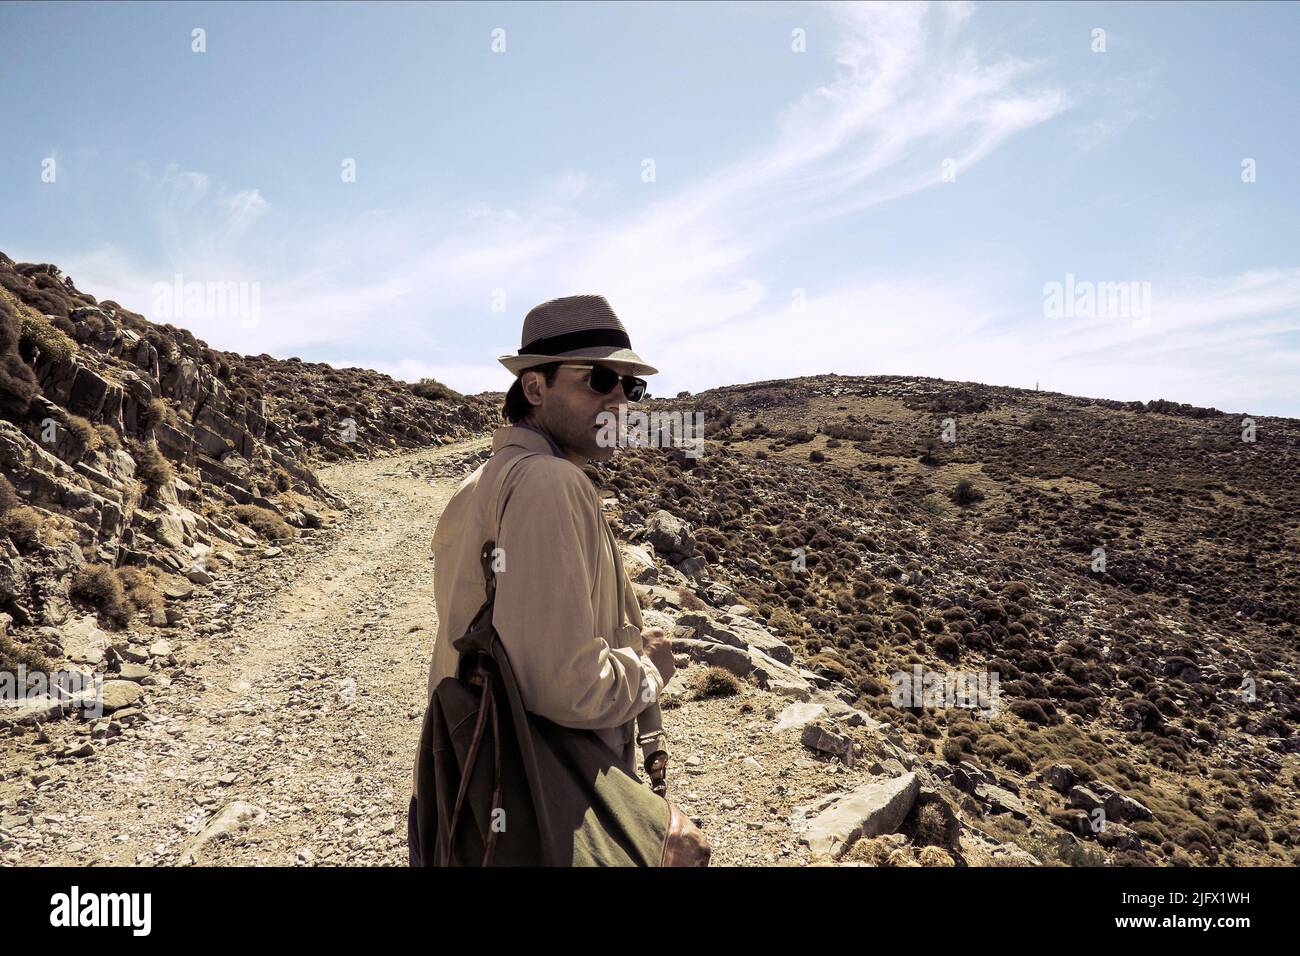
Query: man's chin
599,452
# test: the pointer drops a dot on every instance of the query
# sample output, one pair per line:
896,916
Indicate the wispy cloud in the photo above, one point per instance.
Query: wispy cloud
201,224
693,269
1213,338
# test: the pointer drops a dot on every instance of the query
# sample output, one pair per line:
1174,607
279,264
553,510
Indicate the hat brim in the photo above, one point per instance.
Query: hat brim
608,355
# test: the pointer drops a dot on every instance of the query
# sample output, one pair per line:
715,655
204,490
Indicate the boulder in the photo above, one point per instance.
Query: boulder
965,776
778,678
1076,821
1120,806
721,596
820,737
1116,836
33,709
1060,777
732,659
14,574
116,694
639,564
798,715
177,591
850,716
693,568
134,672
669,536
82,641
1001,800
1085,798
233,818
738,632
652,618
661,598
199,576
870,810
127,651
1008,854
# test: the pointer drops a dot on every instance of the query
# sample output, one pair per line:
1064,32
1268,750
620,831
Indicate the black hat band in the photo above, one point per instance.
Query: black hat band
572,341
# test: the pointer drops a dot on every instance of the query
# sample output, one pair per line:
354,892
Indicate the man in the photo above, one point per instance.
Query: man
565,610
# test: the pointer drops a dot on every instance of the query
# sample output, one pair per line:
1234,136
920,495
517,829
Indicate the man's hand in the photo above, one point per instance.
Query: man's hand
657,646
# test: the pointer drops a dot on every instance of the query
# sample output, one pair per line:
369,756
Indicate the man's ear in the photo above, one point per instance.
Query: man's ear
530,382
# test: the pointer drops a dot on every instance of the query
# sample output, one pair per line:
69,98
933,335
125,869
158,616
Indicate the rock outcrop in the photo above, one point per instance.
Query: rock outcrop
124,443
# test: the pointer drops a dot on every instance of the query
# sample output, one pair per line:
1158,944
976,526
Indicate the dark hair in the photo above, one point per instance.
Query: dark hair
517,406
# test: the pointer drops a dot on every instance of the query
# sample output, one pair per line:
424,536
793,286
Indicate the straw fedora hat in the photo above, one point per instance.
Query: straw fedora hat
575,327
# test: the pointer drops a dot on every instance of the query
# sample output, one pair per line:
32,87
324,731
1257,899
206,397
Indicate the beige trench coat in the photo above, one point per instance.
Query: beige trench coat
565,609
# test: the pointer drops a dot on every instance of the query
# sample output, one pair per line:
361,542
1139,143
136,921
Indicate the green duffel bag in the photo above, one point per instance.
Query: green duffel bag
499,786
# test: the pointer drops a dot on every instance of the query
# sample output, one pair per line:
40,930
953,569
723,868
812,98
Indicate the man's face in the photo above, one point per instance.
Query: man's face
570,410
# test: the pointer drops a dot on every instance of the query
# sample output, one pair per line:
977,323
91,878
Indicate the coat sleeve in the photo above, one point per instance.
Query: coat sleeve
566,672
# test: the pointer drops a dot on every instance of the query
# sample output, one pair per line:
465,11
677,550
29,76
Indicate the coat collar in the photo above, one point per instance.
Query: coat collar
526,437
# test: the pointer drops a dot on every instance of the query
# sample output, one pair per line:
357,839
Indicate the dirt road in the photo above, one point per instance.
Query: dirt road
302,711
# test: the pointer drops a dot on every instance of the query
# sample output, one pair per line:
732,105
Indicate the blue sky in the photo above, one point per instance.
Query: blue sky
799,220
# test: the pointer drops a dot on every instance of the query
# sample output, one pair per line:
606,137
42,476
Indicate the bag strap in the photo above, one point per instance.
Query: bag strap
486,553
487,709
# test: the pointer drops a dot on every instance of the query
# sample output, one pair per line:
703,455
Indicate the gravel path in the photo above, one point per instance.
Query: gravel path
302,710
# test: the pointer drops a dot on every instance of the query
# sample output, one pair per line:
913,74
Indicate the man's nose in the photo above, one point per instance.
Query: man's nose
615,398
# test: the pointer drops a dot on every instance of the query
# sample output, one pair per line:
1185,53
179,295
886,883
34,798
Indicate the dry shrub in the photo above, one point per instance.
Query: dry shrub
158,410
872,851
8,496
17,381
718,682
84,431
689,599
931,826
108,437
14,655
40,333
263,521
901,857
221,559
1016,590
435,391
99,586
966,493
24,525
826,665
151,466
782,621
141,589
956,749
293,501
934,856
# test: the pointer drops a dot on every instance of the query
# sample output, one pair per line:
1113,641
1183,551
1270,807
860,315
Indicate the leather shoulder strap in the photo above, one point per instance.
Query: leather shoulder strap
486,554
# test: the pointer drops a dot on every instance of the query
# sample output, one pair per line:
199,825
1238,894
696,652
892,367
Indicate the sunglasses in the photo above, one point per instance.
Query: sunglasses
603,380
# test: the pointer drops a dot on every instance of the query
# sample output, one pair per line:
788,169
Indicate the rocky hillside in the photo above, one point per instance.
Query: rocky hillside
1118,580
1126,572
132,454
